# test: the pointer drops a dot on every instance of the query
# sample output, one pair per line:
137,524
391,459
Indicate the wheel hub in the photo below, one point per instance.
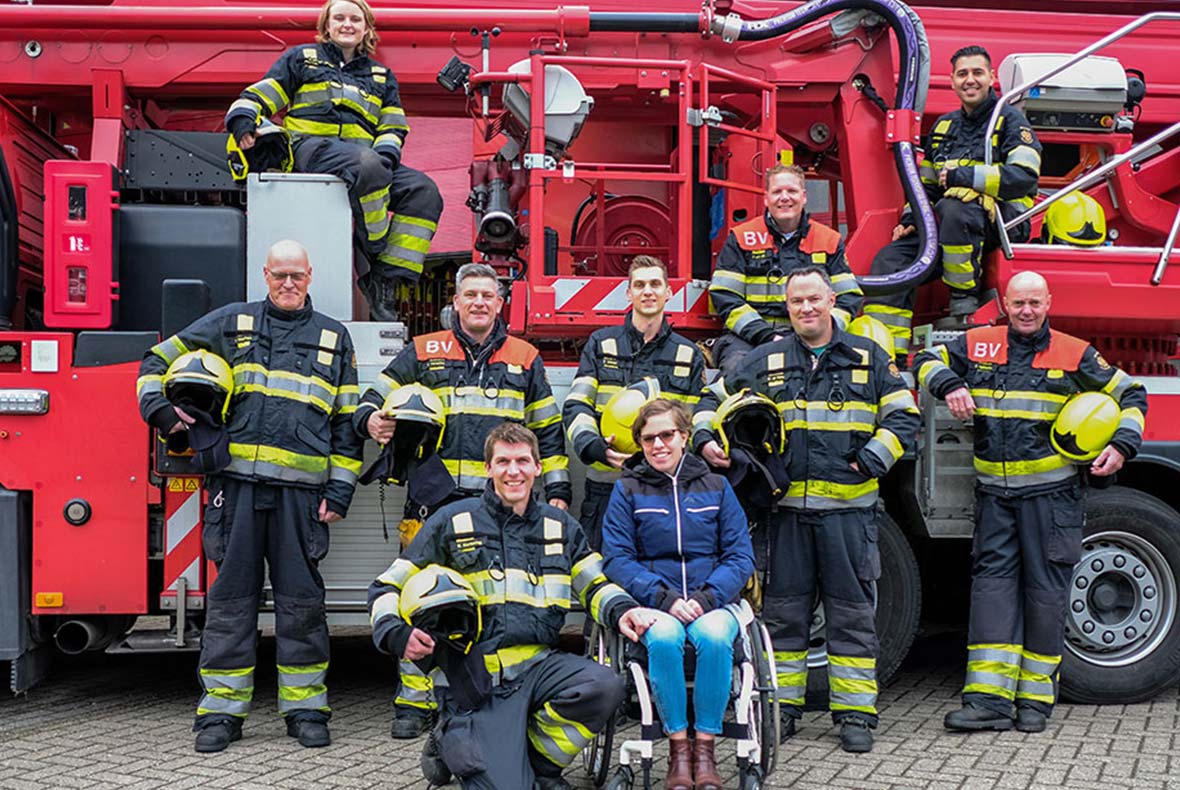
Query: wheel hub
1120,599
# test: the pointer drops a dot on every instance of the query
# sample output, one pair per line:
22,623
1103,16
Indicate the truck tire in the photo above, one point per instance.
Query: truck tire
1122,634
899,608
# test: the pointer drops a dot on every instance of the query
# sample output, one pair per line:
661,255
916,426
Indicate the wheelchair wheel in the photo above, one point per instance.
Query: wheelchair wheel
624,779
596,757
751,780
765,716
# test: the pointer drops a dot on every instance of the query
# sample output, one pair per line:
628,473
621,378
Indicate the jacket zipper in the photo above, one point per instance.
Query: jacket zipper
679,542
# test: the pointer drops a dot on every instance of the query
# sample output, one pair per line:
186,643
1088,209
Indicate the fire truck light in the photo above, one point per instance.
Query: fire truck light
49,600
77,512
14,401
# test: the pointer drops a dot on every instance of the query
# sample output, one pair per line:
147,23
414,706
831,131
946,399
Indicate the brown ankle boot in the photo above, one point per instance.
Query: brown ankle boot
704,765
679,765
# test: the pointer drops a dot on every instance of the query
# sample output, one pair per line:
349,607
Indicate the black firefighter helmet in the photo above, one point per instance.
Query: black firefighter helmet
271,151
755,439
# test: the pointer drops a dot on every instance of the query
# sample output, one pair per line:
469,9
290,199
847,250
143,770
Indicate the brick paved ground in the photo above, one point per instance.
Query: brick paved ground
122,721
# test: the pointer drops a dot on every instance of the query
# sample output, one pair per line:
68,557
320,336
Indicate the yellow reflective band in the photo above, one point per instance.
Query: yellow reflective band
994,668
344,462
851,686
346,131
849,661
830,490
278,457
236,673
1133,415
507,657
988,688
1017,468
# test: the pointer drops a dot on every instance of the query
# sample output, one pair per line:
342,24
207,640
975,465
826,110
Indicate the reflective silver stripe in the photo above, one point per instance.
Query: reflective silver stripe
148,384
582,425
813,501
540,413
382,386
1026,157
555,476
557,738
169,349
271,92
1131,420
843,700
392,118
725,280
212,704
599,474
927,172
415,689
583,390
299,677
994,654
341,474
791,670
1022,480
818,415
901,400
853,673
741,318
307,389
585,572
1035,689
886,447
845,284
1119,383
703,420
269,471
603,599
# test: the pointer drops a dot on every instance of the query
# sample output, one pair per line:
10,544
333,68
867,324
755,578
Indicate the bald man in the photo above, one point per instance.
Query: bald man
293,463
1012,381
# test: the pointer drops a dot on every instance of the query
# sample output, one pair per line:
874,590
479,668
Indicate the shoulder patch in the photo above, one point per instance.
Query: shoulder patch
1026,135
515,351
893,371
1101,362
438,345
753,235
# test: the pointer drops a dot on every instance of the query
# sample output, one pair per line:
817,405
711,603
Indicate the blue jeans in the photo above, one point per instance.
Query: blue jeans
712,635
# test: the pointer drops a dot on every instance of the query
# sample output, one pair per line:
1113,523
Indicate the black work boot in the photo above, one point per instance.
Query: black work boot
964,305
434,770
309,732
786,727
1029,719
553,783
409,724
972,717
217,736
381,294
855,736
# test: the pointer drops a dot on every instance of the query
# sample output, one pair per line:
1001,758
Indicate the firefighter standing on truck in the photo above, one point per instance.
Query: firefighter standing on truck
965,193
1012,381
525,559
293,464
750,279
615,357
850,418
483,376
345,119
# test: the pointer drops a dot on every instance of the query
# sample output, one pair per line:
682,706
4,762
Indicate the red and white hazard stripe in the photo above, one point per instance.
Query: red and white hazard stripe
182,533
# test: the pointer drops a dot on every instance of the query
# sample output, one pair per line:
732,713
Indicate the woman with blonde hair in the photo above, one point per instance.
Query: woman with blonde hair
345,119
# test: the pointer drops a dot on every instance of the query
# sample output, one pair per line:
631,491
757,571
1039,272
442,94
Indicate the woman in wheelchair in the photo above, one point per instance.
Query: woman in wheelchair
676,539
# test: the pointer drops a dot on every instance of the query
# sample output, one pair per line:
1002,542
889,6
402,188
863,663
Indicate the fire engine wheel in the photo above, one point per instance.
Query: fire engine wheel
899,607
1122,636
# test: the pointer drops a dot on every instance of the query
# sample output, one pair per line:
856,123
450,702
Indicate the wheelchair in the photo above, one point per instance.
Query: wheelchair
752,721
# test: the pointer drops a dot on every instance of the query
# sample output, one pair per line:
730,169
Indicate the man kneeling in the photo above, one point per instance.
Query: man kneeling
523,558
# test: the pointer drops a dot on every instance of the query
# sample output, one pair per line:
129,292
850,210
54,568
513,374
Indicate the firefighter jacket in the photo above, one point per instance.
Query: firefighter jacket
684,536
527,570
295,391
847,404
480,387
612,359
749,287
957,141
1019,383
357,101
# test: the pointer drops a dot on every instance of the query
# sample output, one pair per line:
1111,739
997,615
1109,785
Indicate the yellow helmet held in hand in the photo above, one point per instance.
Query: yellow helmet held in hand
750,420
1084,426
438,600
618,416
200,381
868,327
416,403
1076,219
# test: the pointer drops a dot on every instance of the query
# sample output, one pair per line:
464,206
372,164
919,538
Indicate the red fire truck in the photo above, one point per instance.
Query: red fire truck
565,139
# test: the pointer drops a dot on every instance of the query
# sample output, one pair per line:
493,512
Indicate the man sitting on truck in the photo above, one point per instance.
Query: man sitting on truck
966,195
749,283
345,118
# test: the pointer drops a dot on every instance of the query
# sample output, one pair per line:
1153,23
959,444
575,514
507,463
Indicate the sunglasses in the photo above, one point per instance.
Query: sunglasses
295,277
665,437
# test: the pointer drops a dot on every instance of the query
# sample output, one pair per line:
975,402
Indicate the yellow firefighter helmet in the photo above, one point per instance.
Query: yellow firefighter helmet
416,403
750,420
271,151
618,416
1084,426
1076,219
438,600
868,327
201,381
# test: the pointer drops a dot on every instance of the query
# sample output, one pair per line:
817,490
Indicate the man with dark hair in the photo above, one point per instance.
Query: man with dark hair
524,558
483,376
851,417
966,194
616,357
749,281
292,466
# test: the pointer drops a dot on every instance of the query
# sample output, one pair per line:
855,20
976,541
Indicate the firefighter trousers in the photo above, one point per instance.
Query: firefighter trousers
396,245
965,235
533,726
245,524
836,552
414,694
1023,554
593,511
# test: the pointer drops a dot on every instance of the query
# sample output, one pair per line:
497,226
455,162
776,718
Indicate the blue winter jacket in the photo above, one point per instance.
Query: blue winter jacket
668,537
